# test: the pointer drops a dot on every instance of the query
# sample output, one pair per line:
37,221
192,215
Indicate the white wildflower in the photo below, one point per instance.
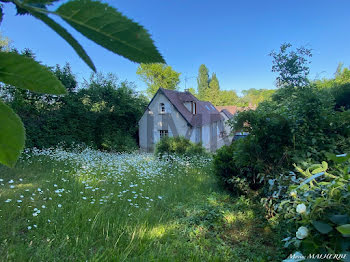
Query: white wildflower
302,232
301,208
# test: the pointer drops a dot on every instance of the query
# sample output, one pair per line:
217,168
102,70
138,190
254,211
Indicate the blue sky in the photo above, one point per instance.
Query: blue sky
232,38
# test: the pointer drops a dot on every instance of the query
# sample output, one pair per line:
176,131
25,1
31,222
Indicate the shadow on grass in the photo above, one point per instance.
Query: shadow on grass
212,226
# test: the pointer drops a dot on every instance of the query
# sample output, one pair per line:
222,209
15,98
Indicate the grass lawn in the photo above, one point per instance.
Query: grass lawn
93,206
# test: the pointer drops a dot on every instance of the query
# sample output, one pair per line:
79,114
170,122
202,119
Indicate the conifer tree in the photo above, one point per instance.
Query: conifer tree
203,81
213,93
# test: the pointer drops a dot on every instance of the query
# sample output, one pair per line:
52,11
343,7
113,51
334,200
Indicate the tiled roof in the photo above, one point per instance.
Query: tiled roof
235,109
227,113
206,112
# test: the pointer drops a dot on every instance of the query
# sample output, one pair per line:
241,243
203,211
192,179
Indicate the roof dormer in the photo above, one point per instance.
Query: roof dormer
191,106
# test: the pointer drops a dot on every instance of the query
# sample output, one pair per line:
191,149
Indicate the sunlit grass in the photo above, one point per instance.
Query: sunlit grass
93,206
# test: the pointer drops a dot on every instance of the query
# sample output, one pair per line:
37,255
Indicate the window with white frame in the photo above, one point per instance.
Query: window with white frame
163,133
193,107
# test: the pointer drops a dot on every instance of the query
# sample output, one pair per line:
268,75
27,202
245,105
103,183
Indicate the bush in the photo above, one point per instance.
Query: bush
341,94
237,168
103,115
315,204
179,146
297,124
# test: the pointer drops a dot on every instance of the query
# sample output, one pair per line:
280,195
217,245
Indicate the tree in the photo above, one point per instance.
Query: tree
338,87
292,66
213,93
97,21
66,77
192,91
227,98
203,81
255,96
158,75
5,43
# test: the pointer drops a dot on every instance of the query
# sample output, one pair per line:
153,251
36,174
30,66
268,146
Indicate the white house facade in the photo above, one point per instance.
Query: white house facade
173,113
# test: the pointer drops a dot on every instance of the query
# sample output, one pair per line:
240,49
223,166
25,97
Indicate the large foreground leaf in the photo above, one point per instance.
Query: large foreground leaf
1,14
109,28
24,72
65,35
39,1
344,229
322,227
11,136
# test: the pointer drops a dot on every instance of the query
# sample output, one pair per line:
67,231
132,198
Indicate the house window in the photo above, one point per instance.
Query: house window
222,134
193,108
162,108
163,133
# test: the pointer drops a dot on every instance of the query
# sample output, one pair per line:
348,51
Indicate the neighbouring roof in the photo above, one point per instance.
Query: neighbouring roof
206,112
234,109
227,113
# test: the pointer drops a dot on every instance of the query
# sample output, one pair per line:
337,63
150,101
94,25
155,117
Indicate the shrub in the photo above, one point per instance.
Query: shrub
315,204
296,124
178,145
341,94
237,167
103,115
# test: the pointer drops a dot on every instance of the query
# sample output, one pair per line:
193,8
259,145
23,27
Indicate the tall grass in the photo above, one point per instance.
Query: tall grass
94,206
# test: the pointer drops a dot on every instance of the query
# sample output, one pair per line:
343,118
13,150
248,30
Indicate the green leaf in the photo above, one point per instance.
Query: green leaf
22,9
339,219
322,227
318,170
1,14
310,179
65,35
26,73
109,28
39,1
338,158
344,229
12,136
324,165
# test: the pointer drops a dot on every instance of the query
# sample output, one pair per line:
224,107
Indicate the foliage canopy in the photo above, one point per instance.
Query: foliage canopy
158,76
292,66
97,21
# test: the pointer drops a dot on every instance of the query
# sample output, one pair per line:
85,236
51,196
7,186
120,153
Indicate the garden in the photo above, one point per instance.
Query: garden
86,205
74,187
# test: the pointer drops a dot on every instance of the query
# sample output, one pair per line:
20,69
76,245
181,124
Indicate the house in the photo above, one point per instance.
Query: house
226,115
229,112
235,109
174,113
